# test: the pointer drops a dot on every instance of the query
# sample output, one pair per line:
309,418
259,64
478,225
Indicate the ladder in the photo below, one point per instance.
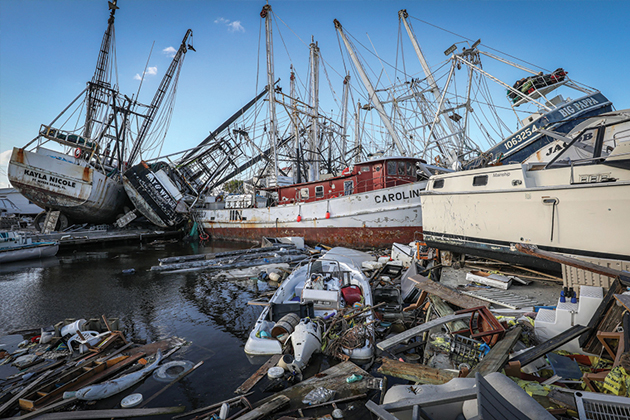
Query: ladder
51,221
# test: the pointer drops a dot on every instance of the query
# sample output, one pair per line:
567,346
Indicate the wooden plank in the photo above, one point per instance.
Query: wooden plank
498,355
122,413
379,411
267,408
46,409
332,378
446,293
597,317
212,406
419,329
550,345
262,371
574,262
25,391
624,300
415,372
429,400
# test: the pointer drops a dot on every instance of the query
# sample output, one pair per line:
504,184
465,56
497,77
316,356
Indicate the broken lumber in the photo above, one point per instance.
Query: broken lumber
267,408
624,277
212,406
262,371
548,346
446,293
417,330
415,372
498,355
114,413
25,391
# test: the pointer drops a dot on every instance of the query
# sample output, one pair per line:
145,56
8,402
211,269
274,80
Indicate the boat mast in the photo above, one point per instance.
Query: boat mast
314,138
357,136
157,99
297,174
368,85
344,117
433,87
273,140
100,80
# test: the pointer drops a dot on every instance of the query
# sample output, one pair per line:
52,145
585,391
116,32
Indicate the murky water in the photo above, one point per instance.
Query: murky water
210,313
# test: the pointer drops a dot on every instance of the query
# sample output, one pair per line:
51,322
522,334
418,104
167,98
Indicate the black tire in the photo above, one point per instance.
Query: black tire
38,221
62,222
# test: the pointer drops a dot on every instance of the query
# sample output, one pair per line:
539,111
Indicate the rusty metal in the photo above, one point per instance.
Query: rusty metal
361,238
488,328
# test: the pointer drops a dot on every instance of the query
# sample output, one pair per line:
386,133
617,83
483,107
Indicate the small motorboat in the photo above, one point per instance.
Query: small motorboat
313,292
17,247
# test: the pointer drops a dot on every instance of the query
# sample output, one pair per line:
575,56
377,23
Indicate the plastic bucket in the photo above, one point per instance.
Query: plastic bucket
72,329
286,325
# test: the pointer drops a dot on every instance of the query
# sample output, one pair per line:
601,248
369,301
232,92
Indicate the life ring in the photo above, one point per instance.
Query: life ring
204,236
77,152
219,198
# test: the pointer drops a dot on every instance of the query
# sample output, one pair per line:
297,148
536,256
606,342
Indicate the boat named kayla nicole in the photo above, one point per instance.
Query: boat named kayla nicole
578,203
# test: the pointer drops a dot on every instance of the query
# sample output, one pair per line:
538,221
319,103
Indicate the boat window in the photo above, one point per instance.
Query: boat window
348,187
319,191
438,183
304,194
365,169
377,169
411,170
401,168
480,180
391,167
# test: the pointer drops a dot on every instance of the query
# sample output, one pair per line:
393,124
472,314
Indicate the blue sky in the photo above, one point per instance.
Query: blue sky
48,49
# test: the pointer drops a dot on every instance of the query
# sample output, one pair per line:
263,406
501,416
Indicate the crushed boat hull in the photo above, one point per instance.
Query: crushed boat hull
78,191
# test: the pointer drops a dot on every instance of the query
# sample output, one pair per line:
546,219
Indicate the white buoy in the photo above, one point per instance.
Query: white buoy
131,400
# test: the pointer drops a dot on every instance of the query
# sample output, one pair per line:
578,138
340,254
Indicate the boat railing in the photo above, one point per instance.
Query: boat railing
67,138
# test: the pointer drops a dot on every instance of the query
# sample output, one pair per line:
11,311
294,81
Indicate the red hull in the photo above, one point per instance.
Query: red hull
361,238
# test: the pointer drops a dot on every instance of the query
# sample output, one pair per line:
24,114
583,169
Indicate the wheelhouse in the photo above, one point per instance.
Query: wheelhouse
362,177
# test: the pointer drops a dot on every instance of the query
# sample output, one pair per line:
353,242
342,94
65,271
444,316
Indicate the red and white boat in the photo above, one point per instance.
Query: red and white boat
375,203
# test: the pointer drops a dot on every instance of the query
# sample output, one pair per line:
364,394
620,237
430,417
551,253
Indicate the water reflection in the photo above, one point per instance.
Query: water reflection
210,313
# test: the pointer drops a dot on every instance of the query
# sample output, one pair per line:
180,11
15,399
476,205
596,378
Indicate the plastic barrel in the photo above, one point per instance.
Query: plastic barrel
286,325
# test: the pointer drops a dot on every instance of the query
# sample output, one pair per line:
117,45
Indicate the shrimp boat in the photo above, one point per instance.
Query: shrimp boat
76,172
318,289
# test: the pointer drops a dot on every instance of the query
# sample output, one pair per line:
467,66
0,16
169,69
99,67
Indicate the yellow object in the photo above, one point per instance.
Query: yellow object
617,382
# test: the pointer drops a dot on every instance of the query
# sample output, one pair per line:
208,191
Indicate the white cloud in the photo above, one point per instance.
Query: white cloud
151,71
236,26
169,51
4,166
232,26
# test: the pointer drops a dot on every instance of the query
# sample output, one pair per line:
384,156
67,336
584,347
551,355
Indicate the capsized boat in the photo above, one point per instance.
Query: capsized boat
77,170
315,290
576,204
17,247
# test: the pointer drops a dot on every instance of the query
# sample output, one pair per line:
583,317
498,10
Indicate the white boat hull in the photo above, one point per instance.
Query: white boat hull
260,345
363,220
78,191
589,219
28,252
